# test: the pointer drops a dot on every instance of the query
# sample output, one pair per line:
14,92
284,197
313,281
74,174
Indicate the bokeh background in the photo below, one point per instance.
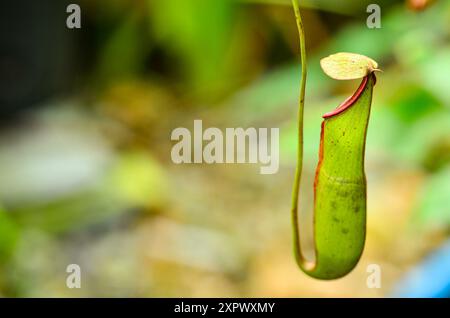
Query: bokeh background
86,175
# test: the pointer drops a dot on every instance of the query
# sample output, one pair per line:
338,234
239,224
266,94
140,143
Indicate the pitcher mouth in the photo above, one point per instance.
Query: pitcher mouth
349,102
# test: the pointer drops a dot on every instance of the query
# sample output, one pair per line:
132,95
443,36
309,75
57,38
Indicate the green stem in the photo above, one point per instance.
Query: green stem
295,195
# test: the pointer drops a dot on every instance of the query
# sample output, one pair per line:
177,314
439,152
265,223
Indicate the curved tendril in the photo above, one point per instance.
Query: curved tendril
295,196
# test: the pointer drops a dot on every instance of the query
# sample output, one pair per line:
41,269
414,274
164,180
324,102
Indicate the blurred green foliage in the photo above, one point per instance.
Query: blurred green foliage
9,236
89,180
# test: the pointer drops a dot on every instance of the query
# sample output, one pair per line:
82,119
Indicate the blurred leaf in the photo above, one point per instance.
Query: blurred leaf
124,52
139,180
434,209
438,155
200,33
435,73
412,102
9,235
72,213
